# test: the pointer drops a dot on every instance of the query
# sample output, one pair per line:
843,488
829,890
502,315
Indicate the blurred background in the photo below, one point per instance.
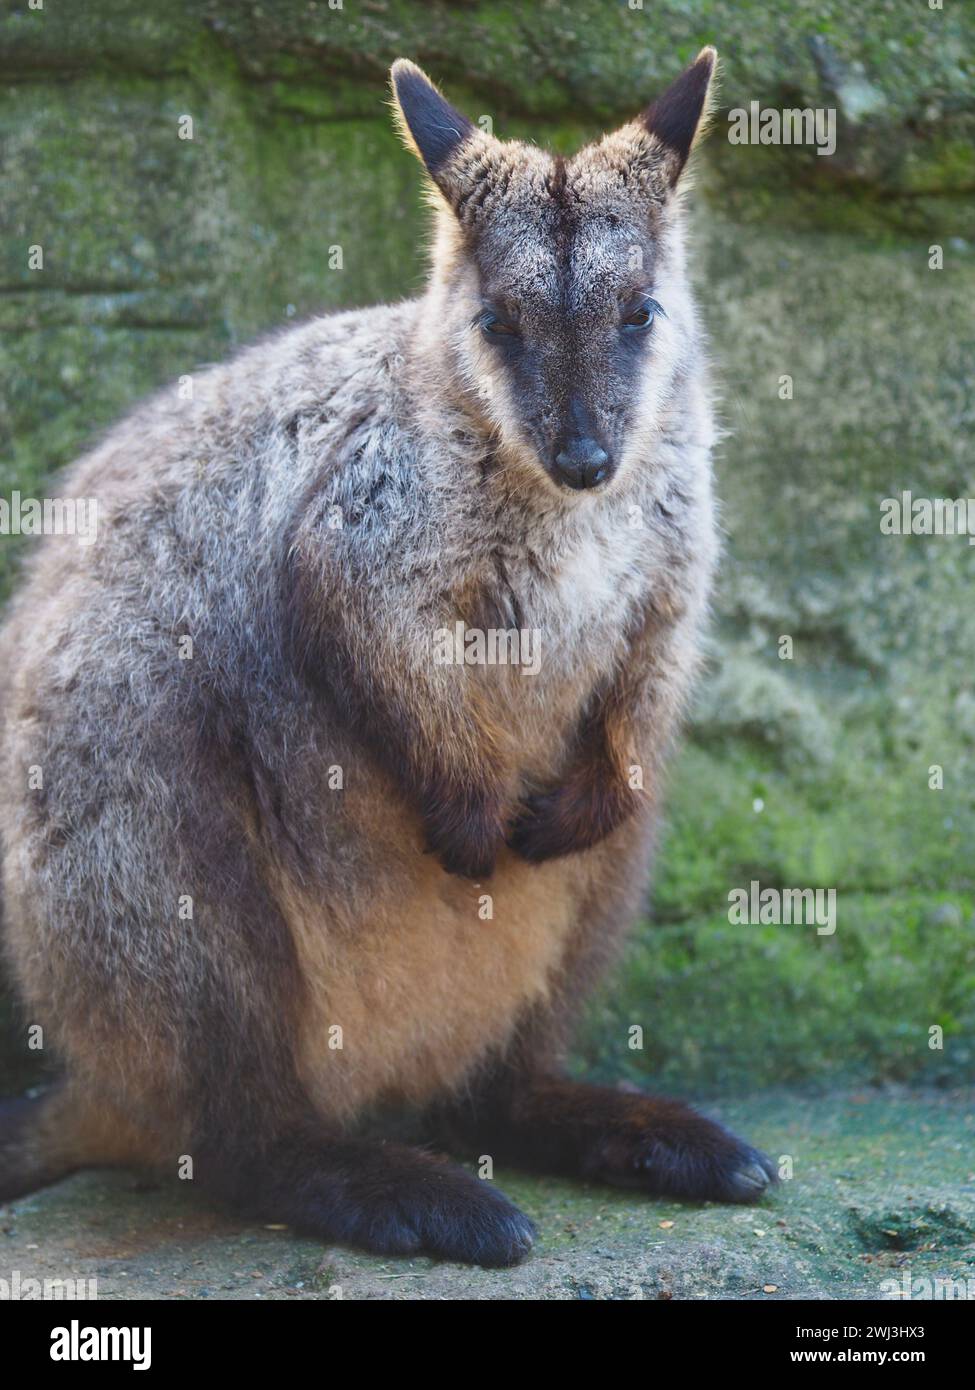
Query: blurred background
163,253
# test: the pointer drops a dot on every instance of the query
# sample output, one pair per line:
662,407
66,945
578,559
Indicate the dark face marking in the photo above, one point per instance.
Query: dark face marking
569,313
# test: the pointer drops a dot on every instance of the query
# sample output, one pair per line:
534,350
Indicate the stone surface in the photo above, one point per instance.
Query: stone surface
882,1199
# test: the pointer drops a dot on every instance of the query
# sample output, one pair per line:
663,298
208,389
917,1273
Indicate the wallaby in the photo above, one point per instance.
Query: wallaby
281,864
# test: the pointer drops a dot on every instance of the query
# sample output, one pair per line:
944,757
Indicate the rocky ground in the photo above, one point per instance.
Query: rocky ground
882,1199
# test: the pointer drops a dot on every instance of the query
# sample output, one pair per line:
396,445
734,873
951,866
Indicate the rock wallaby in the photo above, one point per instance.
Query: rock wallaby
330,770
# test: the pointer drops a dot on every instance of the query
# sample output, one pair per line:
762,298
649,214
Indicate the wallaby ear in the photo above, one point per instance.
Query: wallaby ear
676,117
430,126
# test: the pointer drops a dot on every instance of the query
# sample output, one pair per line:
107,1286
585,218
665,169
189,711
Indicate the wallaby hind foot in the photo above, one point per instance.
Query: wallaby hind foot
386,1198
625,1138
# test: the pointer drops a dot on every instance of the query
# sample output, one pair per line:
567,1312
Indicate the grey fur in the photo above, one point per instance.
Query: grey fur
209,776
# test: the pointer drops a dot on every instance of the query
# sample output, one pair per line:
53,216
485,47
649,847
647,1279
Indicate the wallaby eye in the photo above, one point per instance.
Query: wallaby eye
494,326
639,316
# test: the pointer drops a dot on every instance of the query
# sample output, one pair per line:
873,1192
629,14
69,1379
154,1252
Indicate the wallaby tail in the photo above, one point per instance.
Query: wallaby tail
48,1137
32,1154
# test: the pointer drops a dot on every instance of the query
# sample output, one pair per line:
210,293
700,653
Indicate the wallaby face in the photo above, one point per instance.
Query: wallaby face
565,292
270,872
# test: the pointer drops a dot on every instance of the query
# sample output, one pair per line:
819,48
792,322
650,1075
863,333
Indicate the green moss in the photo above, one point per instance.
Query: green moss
925,184
724,1006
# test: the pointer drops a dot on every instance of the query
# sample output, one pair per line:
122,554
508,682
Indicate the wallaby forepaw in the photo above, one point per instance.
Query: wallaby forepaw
536,834
570,819
464,831
466,861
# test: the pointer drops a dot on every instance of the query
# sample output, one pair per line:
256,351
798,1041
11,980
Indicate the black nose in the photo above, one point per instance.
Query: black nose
582,463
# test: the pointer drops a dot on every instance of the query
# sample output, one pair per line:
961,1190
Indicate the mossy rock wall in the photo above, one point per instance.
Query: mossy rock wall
161,253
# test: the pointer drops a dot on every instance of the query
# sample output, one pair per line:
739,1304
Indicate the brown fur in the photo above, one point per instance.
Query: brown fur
451,902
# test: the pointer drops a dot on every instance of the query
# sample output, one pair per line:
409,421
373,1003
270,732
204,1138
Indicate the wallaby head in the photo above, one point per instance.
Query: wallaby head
559,295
